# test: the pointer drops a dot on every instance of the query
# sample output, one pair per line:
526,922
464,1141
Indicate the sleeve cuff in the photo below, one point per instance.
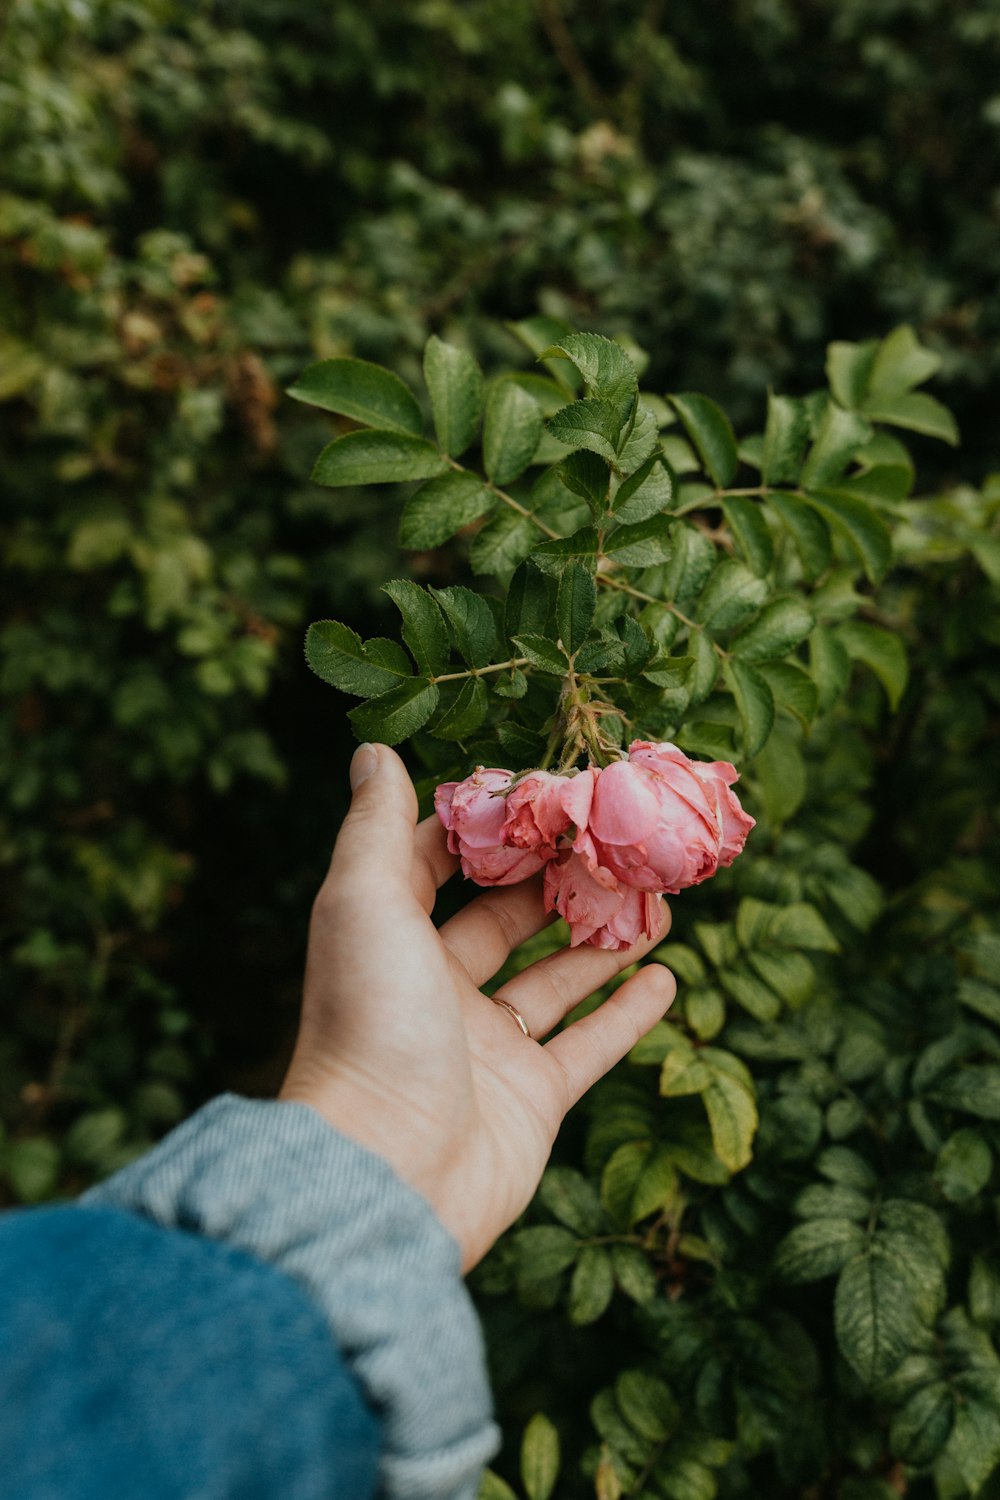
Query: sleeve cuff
274,1179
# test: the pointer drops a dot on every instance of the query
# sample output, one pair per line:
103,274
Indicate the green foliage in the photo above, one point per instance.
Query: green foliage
203,206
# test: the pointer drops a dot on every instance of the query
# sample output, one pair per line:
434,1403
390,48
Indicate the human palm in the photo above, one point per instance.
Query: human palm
400,1049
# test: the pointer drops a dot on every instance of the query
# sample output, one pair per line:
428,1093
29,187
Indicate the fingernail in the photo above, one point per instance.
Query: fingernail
363,762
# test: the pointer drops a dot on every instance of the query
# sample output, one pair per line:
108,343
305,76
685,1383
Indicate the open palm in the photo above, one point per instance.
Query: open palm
399,1048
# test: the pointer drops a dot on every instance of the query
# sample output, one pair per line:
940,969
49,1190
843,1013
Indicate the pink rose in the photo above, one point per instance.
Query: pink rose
535,813
473,812
599,909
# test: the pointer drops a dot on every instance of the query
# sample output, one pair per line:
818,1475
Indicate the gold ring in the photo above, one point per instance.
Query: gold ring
515,1013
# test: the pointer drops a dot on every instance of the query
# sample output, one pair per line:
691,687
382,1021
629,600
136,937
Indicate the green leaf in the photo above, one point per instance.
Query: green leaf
511,431
423,626
588,476
916,412
901,363
396,715
32,1168
572,1199
750,530
638,442
808,531
964,1166
647,1404
974,1445
818,1248
708,428
779,627
607,371
848,369
505,540
542,653
788,973
641,545
841,433
529,603
362,391
471,621
543,1251
793,689
922,1425
755,703
441,507
800,925
784,439
336,654
829,666
781,776
859,524
984,1291
647,492
633,1273
575,605
539,1458
973,1089
743,986
376,458
880,650
732,1117
465,713
593,425
492,1487
874,1316
841,1164
823,1200
690,566
591,1286
94,1134
732,593
562,551
455,383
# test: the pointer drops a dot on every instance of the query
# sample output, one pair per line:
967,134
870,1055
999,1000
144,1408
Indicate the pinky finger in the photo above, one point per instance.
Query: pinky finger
589,1048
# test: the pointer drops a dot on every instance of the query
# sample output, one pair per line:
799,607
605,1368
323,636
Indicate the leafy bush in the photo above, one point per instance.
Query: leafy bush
197,203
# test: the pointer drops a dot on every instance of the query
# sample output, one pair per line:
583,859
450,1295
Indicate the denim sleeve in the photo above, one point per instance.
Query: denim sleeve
273,1179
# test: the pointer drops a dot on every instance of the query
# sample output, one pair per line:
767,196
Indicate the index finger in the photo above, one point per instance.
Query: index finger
432,863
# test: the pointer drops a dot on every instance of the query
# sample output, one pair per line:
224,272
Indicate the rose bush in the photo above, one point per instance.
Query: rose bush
611,839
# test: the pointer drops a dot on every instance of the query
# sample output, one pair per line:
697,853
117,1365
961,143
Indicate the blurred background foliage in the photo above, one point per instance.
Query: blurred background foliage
197,200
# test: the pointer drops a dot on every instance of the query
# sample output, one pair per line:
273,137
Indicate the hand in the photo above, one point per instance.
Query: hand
399,1049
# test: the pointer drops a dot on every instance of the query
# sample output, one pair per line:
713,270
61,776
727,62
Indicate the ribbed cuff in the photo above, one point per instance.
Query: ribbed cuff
274,1179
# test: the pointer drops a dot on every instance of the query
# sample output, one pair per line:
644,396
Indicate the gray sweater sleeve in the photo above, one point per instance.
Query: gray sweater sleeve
274,1179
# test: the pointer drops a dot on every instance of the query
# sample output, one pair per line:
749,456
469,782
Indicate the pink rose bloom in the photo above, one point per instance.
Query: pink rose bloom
473,812
599,909
657,821
535,813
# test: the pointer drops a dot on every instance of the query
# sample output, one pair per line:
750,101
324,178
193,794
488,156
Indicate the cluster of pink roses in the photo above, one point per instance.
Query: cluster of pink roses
610,839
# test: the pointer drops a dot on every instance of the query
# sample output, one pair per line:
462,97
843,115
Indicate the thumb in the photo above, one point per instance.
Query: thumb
374,848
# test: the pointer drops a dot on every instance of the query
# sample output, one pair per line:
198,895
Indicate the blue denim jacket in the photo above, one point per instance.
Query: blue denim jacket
169,1337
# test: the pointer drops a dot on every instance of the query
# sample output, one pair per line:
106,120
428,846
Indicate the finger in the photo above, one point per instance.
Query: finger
589,1048
432,864
488,930
555,985
373,855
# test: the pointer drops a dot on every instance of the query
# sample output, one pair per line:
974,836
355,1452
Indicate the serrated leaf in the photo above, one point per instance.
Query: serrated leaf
591,1286
423,625
633,1273
880,650
779,627
522,746
562,551
571,1199
465,713
441,507
841,433
396,715
732,593
822,1200
530,600
732,1119
505,540
575,605
755,703
471,621
859,525
901,362
818,1248
607,371
794,690
336,654
750,531
640,545
588,476
848,369
750,992
788,973
512,428
874,1317
542,653
708,428
800,925
590,424
691,563
701,679
638,441
539,1458
780,773
784,440
376,458
829,666
922,1425
647,492
916,412
455,383
360,390
543,1250
808,531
